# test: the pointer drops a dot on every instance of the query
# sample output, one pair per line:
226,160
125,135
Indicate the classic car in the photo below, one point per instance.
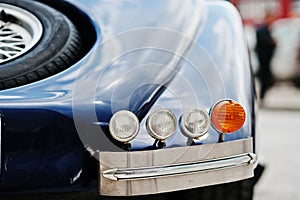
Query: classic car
128,99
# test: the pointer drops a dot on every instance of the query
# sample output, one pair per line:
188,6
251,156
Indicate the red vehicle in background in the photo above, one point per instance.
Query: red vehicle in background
282,8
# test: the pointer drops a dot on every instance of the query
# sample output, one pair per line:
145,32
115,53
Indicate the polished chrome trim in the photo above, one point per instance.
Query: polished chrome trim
113,121
183,168
149,124
171,169
189,133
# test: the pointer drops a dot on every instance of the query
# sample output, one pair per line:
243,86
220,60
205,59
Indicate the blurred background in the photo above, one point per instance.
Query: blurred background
278,120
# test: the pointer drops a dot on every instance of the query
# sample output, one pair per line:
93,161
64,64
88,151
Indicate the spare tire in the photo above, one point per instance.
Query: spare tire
36,41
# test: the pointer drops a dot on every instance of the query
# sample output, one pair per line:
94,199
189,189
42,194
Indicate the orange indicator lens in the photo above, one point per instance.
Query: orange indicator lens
228,116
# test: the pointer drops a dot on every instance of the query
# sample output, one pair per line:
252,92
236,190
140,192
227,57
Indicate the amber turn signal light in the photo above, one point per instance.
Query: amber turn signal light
227,116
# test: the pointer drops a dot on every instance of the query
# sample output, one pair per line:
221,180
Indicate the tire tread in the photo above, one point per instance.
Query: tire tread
73,50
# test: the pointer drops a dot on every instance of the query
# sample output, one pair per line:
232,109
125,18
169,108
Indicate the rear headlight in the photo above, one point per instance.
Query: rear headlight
124,126
161,124
227,116
195,123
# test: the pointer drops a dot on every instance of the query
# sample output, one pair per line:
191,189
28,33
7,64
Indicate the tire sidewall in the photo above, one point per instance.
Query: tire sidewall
56,32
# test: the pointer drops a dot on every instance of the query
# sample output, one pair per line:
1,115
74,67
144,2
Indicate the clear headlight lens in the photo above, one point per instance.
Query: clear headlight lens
161,124
195,123
226,116
124,126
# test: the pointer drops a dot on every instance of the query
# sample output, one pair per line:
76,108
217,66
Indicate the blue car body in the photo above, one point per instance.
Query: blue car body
145,55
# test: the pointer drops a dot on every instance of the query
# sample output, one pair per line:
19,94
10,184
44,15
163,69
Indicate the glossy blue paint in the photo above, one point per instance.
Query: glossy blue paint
148,54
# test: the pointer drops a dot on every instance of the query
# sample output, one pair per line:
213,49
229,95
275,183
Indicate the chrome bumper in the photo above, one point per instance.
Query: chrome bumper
164,170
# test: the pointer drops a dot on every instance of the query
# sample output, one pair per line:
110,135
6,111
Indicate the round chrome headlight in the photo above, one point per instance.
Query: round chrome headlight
161,124
195,123
124,126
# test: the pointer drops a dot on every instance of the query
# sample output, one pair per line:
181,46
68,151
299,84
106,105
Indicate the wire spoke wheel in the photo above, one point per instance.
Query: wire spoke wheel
19,31
36,41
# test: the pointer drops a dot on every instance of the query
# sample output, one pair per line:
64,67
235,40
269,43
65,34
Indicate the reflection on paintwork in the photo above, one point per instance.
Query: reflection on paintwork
137,63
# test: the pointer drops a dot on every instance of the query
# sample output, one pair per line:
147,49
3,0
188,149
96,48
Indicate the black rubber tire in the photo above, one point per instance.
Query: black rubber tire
59,48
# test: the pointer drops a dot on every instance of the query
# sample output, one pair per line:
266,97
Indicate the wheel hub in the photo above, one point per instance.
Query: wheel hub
19,31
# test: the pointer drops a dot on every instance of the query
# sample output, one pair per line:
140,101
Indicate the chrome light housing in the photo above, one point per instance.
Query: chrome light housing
161,124
124,126
195,123
227,116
